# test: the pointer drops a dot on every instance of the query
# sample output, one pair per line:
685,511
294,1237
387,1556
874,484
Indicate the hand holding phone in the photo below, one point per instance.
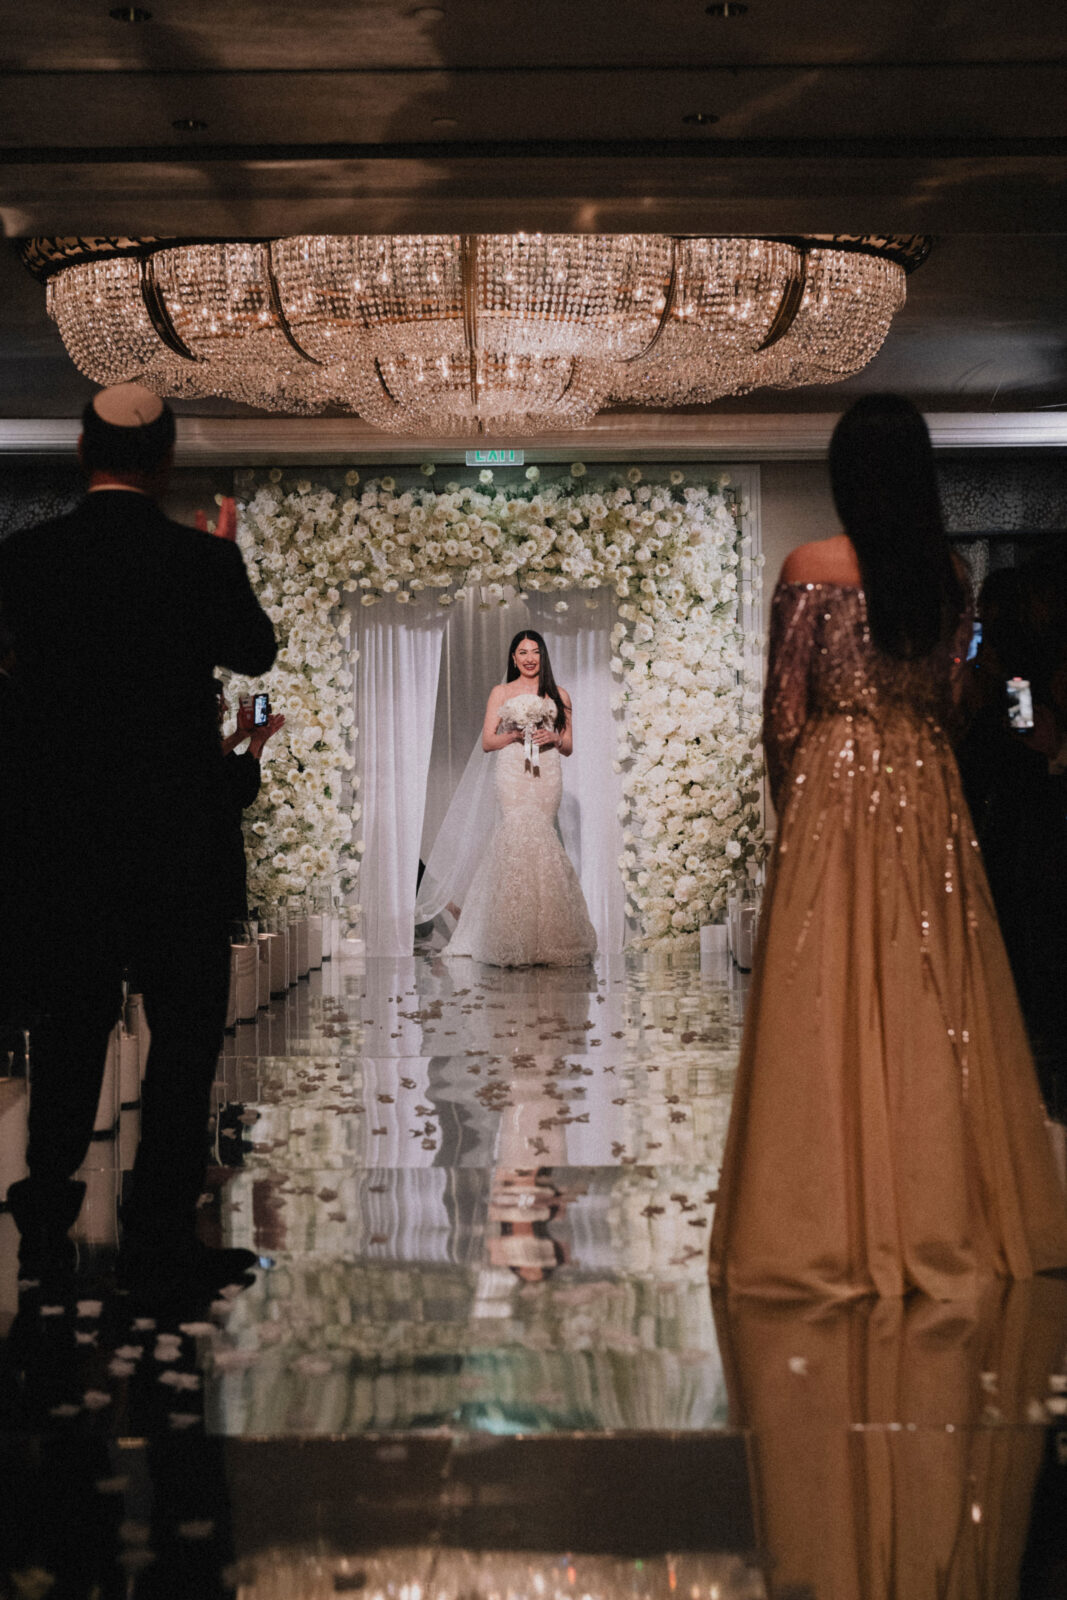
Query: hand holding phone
1020,705
226,525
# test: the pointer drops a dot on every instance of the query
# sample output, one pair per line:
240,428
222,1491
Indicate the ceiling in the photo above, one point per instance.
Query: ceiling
847,116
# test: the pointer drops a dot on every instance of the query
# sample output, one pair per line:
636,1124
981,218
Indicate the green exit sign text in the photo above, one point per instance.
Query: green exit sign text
495,458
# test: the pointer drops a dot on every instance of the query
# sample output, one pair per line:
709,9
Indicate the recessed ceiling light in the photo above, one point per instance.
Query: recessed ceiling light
188,125
701,119
429,13
727,8
445,122
129,14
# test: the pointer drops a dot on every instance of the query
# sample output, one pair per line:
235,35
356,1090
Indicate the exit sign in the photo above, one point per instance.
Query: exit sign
495,458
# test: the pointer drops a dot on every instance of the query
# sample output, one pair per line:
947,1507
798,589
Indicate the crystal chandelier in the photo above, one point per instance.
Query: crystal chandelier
452,335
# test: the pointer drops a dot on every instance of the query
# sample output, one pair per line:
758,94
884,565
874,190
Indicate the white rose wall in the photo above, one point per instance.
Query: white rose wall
680,557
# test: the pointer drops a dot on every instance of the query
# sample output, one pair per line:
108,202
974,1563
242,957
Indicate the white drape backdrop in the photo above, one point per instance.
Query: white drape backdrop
473,656
421,687
396,697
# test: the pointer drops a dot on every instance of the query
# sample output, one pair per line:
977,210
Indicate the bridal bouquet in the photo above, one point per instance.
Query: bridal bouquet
525,713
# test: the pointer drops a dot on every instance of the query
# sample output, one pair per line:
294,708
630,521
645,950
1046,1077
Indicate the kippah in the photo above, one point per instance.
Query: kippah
127,427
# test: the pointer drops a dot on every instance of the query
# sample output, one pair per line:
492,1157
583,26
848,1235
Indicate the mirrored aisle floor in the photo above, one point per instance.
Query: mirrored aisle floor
483,1359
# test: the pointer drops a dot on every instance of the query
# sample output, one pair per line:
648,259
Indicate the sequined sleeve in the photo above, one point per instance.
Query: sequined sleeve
786,699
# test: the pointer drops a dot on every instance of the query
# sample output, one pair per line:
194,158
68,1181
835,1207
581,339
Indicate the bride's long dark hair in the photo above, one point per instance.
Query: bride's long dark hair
546,683
885,490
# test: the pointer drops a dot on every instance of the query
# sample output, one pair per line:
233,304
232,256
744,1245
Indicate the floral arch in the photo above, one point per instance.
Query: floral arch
679,557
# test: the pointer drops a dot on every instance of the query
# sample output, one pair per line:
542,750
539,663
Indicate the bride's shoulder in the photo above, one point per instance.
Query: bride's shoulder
564,696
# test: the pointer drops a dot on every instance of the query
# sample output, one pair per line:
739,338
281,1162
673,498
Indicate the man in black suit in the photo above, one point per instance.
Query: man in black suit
113,799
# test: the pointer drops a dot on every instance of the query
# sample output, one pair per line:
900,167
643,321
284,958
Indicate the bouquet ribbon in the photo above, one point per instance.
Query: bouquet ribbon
533,755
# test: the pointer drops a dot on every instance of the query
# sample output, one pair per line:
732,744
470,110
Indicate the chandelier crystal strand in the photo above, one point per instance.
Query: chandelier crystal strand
849,301
218,300
727,295
592,296
371,307
102,319
352,296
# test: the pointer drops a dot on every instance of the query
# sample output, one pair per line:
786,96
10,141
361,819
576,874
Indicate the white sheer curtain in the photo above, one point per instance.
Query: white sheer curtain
473,658
396,697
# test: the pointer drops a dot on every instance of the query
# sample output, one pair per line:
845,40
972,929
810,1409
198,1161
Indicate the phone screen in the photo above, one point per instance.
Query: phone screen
1020,705
261,710
976,639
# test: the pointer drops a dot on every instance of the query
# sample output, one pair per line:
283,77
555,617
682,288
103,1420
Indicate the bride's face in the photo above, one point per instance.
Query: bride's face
527,658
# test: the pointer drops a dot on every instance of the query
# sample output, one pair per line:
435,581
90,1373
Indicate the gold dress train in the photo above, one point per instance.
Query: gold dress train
892,1448
886,1131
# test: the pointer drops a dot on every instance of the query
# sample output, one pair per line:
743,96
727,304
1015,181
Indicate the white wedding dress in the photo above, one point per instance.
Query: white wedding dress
525,906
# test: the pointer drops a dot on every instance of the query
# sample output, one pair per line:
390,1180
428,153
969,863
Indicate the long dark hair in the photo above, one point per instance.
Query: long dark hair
546,683
885,490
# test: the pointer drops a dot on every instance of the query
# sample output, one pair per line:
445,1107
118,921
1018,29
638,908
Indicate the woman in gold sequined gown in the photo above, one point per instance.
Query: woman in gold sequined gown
886,1132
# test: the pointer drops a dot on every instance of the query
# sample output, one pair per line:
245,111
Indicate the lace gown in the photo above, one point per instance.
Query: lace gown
525,906
886,1131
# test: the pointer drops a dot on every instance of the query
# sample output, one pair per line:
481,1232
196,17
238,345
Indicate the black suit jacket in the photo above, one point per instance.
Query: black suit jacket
112,773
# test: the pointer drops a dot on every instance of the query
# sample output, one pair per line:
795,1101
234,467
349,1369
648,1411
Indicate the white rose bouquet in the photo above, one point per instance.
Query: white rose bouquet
525,714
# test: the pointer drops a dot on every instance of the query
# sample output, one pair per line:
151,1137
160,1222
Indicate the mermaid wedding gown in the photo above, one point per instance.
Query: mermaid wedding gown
525,906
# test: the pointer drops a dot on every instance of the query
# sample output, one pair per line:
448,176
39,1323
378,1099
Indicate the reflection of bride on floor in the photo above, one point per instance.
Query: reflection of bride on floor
524,905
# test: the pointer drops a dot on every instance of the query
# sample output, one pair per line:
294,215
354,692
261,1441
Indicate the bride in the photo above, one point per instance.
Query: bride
525,905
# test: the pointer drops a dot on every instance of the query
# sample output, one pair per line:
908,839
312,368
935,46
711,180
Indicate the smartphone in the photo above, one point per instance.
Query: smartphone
1020,705
261,710
976,639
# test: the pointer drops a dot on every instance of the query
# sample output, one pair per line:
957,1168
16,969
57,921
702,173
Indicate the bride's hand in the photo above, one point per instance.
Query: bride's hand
543,737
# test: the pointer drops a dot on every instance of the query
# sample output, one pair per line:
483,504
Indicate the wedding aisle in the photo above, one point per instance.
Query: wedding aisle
480,1357
487,1198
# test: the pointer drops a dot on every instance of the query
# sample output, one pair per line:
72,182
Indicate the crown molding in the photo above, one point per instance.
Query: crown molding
781,436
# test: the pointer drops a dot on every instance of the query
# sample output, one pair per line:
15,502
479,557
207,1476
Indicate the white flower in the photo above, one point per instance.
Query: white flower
485,476
633,474
532,474
577,469
352,478
388,484
427,469
560,606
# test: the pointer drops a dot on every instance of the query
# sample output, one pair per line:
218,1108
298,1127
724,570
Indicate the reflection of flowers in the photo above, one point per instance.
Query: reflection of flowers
316,1574
435,1572
679,569
326,1347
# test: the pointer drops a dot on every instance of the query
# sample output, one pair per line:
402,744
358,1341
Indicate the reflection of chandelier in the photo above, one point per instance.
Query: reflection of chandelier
488,333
